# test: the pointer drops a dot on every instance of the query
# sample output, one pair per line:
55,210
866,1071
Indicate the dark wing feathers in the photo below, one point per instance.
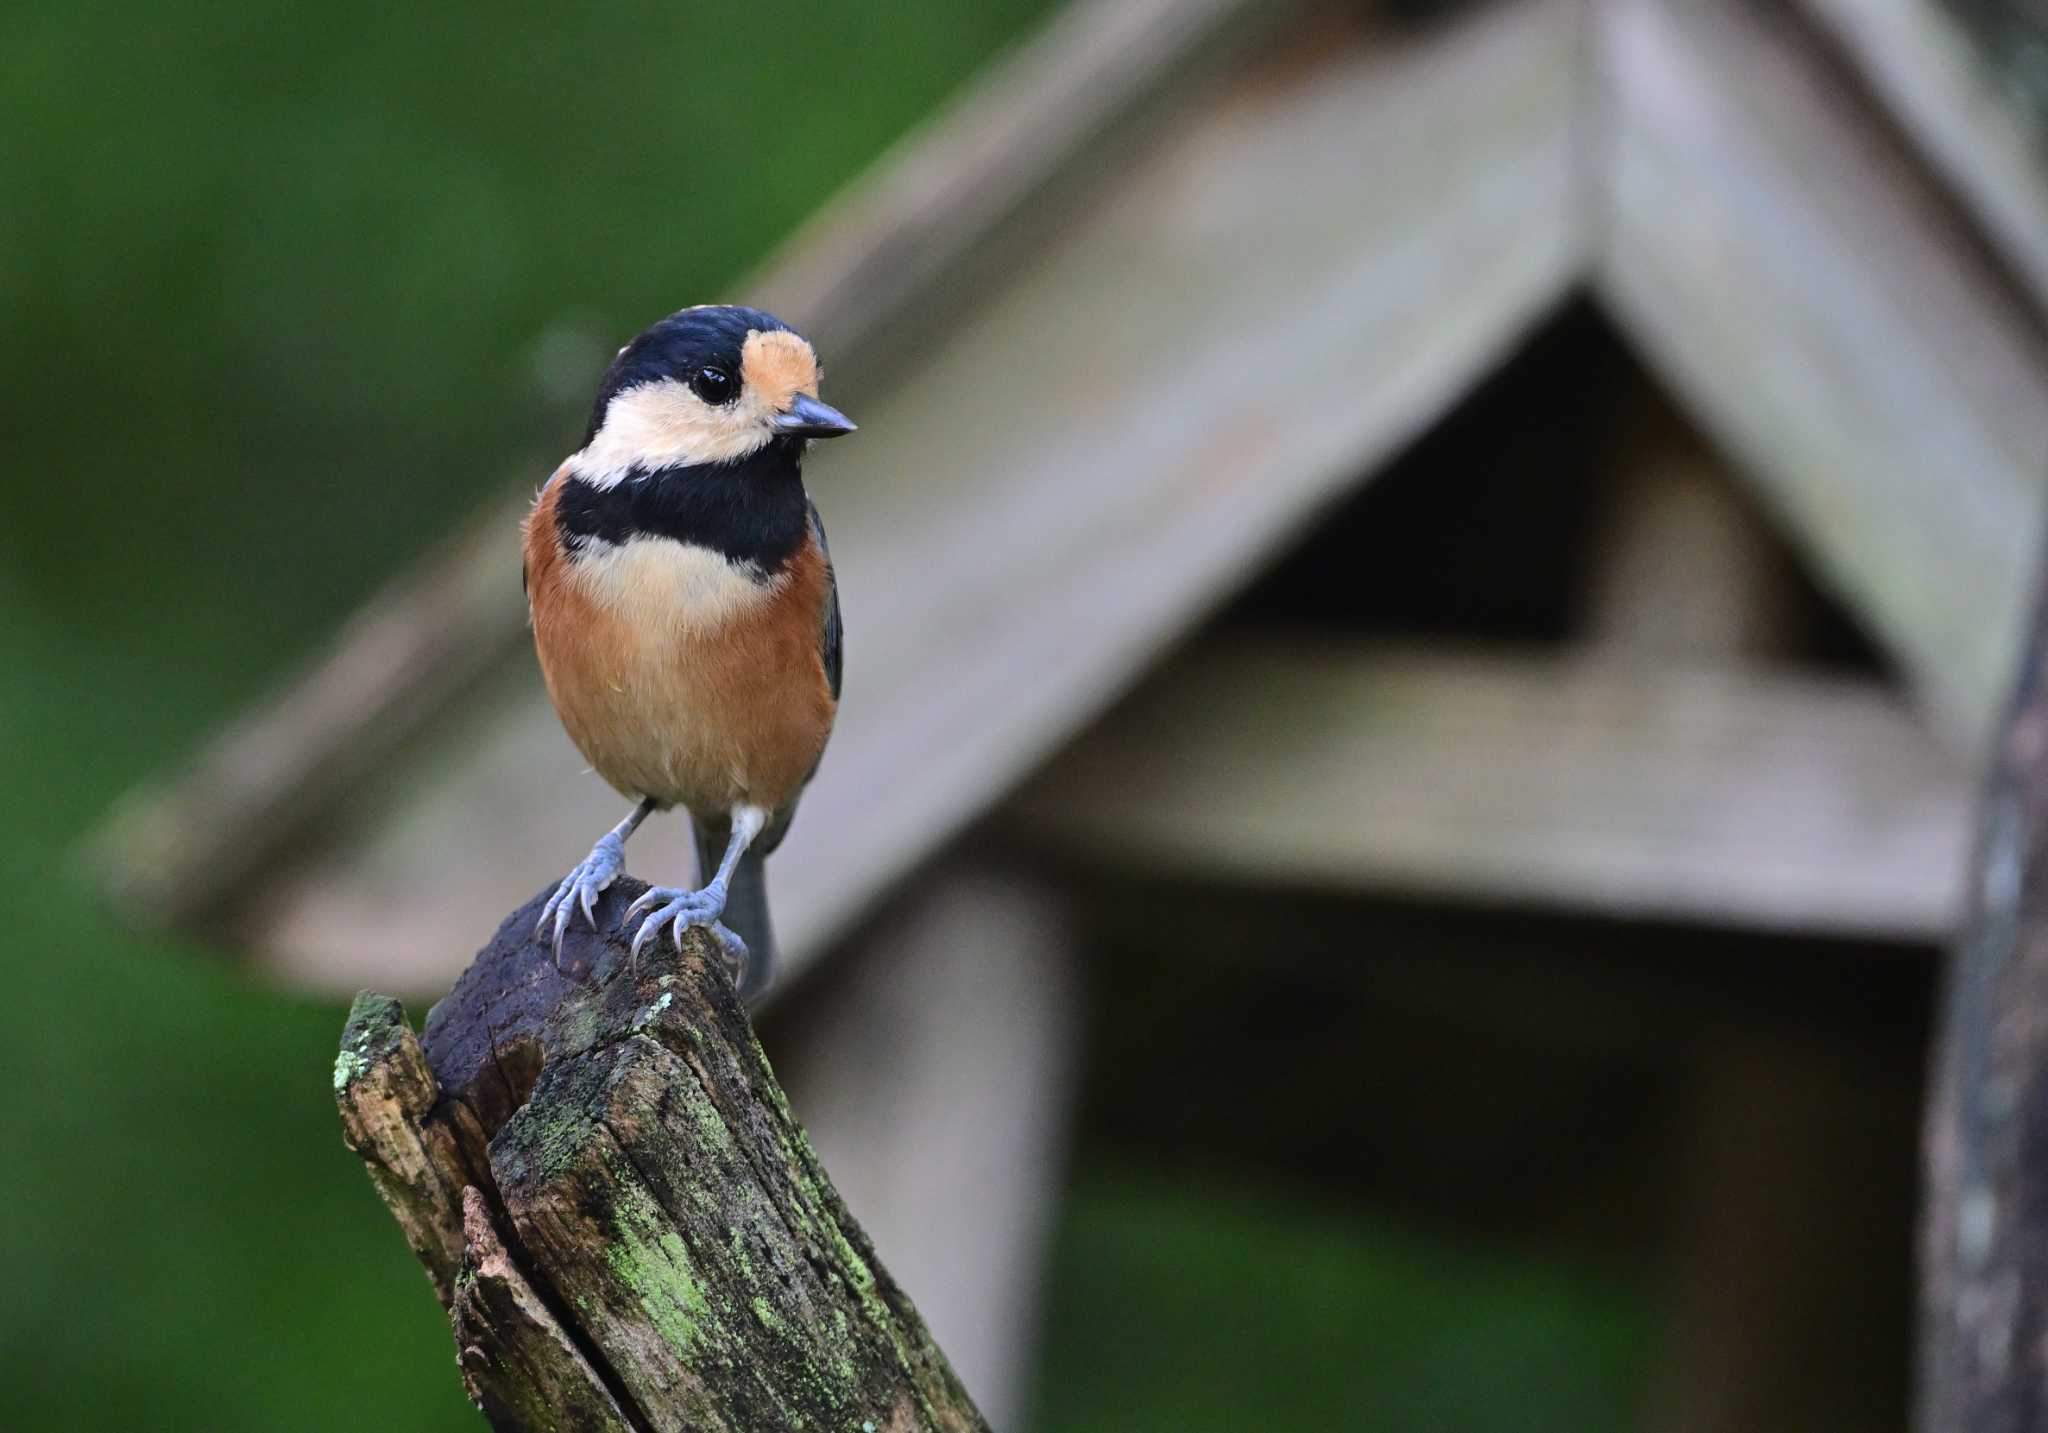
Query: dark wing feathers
711,841
829,638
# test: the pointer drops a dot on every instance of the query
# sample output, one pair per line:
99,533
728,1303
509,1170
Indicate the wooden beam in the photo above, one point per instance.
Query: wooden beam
1830,319
968,194
982,177
1730,796
1073,477
1923,63
1778,256
1683,568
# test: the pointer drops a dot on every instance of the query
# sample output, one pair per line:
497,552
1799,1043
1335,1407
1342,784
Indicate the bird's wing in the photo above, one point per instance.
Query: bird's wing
829,638
828,653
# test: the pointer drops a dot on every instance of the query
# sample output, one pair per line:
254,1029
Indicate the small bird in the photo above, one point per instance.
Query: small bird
686,615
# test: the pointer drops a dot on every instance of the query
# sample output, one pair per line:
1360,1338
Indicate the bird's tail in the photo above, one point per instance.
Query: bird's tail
746,907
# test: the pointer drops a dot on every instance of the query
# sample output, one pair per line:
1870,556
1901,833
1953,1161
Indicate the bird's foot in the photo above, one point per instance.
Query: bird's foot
582,887
676,908
682,910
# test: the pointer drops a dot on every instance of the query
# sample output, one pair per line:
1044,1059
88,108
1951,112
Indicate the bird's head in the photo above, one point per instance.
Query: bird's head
712,384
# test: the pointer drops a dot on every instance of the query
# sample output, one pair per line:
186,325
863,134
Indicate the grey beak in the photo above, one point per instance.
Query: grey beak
808,418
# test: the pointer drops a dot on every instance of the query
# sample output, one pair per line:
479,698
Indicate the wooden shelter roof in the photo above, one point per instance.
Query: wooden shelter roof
1129,317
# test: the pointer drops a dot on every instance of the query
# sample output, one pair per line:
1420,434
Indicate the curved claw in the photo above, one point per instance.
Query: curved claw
647,898
677,909
547,910
639,939
734,949
581,887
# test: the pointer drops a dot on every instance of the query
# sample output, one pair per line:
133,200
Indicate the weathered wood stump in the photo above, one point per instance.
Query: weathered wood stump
1984,1251
627,1227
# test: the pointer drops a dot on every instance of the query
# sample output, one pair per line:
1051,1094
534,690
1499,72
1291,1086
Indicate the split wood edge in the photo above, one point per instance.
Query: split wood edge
626,1225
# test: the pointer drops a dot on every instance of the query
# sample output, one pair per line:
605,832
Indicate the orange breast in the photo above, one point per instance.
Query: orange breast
676,675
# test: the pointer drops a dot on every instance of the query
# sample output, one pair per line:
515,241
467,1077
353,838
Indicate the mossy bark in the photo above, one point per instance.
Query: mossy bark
611,1197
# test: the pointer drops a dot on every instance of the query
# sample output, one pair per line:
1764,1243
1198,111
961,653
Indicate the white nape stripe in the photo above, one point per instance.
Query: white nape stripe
657,584
664,425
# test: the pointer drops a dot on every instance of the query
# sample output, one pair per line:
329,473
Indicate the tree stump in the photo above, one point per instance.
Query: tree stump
627,1227
1984,1251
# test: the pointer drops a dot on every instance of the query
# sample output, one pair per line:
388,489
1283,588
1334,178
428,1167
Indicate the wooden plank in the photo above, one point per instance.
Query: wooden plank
180,851
1732,796
1830,319
1071,478
1683,566
940,206
965,194
1918,57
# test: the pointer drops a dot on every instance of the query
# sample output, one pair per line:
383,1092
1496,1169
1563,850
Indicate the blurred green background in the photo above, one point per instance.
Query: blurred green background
279,285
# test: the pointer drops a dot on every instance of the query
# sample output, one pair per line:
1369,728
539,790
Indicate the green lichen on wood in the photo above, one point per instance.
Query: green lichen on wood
348,1066
657,1270
633,1149
373,1031
552,1131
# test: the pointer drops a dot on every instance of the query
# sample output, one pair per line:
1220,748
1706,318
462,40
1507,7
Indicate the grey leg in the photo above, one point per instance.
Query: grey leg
587,882
680,909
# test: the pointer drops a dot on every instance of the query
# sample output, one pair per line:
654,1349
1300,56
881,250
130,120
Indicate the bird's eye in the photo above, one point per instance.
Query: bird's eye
714,385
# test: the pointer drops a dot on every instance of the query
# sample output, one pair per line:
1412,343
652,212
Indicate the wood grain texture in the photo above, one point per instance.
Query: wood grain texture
647,1239
1828,316
522,1368
1734,796
1055,496
385,1089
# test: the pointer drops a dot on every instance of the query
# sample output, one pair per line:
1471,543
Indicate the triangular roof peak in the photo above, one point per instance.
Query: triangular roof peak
1266,300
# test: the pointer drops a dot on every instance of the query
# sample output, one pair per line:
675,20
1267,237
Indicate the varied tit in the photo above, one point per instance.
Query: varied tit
686,615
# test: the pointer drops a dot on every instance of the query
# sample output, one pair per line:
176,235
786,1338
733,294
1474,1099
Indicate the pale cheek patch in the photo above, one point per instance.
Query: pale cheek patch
663,425
659,586
777,366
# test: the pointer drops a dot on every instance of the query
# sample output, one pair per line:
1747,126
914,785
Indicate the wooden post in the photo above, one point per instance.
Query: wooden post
1984,1303
628,1228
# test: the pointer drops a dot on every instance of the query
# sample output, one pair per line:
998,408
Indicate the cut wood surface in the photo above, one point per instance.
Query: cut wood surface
1053,498
1744,796
610,1195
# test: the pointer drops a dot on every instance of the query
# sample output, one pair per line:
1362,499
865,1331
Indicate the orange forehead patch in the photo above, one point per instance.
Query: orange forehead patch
778,366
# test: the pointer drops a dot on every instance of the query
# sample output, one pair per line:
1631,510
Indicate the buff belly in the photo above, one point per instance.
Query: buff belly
684,677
